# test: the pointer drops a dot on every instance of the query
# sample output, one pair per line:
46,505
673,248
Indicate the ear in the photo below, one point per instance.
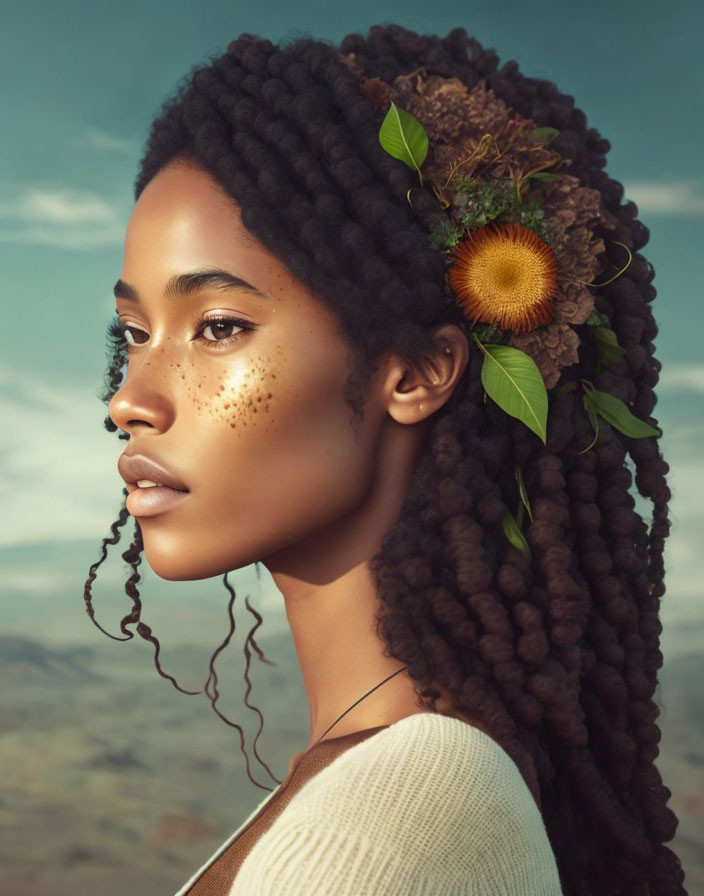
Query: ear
414,392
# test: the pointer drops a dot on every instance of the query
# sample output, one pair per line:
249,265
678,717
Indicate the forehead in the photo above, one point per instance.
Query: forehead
184,221
184,205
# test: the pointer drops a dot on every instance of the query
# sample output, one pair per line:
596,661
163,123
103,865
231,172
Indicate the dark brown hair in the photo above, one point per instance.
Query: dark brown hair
558,656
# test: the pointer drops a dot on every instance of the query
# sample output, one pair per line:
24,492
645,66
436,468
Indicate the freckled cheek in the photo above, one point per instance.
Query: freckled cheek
265,393
241,398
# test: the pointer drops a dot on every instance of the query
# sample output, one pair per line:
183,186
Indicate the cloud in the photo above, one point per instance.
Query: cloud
676,198
94,138
681,377
58,207
46,580
59,466
62,217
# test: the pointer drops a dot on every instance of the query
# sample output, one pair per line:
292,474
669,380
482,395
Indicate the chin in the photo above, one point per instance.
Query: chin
177,562
174,569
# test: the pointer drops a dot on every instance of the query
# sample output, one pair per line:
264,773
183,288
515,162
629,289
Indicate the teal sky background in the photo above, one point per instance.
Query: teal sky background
79,85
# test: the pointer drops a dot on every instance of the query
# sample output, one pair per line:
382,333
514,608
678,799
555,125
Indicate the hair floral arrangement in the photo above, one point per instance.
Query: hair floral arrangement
519,243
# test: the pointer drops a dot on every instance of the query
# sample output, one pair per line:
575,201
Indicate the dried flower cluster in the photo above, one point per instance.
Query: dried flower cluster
519,241
486,166
473,135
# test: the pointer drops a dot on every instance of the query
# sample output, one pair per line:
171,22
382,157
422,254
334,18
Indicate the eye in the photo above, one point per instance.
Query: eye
129,330
220,329
213,331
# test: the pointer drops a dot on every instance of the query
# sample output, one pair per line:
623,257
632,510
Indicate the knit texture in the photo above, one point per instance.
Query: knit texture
429,805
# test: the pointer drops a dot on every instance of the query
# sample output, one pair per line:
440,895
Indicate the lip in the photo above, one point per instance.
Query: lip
153,500
135,467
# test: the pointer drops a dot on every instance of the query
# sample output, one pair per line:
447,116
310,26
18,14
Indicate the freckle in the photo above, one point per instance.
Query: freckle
269,395
226,406
232,425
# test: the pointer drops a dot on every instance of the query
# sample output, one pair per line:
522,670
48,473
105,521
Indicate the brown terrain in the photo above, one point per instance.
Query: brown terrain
116,783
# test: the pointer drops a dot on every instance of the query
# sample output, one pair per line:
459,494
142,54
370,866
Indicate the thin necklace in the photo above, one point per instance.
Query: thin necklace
354,704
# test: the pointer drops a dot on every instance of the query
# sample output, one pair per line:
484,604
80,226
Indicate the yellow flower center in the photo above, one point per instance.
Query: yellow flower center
505,275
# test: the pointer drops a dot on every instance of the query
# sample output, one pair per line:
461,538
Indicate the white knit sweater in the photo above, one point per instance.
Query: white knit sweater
430,805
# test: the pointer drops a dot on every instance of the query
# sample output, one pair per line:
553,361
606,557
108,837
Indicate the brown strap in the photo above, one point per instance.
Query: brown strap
217,878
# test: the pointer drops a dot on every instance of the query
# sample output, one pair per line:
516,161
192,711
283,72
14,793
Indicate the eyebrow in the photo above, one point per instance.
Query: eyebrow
186,284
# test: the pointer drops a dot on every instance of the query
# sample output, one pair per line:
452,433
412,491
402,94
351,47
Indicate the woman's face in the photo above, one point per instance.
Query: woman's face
248,416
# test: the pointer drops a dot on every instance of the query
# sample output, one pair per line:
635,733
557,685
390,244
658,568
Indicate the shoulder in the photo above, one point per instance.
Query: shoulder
446,750
423,754
430,796
436,769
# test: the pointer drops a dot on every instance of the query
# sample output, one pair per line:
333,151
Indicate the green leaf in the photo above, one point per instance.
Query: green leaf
594,420
592,414
513,380
607,344
543,175
616,412
596,319
606,334
404,138
444,235
522,491
514,534
544,135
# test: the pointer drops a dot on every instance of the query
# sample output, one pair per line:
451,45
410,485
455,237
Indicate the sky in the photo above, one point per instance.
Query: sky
79,85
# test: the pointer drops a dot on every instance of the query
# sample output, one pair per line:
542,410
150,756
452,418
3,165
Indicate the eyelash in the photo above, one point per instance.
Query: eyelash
116,330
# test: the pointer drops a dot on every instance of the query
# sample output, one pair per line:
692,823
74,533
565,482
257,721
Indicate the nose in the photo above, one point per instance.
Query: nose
143,400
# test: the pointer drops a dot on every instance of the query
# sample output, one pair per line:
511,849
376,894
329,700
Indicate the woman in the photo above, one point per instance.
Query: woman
349,282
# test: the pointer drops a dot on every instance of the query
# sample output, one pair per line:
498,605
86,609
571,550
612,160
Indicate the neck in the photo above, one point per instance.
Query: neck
332,604
342,658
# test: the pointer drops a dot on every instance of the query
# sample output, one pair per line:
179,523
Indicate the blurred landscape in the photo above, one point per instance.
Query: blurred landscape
115,782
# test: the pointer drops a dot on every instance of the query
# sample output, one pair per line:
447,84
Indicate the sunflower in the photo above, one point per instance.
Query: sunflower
505,275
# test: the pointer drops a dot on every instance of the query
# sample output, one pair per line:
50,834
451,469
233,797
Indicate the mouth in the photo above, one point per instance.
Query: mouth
149,500
139,471
152,488
147,483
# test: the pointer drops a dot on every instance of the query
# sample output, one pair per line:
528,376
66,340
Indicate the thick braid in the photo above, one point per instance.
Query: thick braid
556,656
620,819
262,165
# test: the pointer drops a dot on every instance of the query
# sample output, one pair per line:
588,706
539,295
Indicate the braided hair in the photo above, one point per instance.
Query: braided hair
556,656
